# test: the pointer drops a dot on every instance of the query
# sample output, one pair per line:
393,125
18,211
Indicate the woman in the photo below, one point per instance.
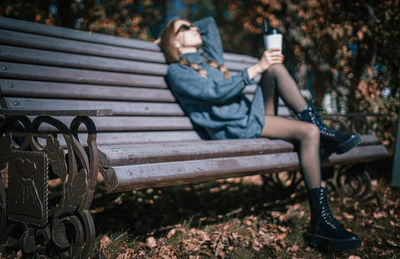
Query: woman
213,100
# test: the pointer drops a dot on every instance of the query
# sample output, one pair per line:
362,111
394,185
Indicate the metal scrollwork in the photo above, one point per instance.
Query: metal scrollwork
351,181
66,230
283,181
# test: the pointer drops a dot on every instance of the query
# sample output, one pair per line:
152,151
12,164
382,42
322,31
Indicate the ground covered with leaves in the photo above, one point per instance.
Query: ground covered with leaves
238,218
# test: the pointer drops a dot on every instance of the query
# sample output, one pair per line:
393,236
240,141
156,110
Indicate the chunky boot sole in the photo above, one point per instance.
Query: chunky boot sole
341,148
335,244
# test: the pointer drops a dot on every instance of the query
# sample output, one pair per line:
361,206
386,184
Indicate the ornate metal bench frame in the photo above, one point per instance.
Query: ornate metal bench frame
26,221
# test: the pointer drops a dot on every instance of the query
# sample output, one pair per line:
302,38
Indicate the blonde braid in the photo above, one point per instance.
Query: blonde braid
195,66
203,72
221,68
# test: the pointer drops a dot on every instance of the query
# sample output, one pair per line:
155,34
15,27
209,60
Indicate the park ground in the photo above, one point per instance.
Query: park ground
238,218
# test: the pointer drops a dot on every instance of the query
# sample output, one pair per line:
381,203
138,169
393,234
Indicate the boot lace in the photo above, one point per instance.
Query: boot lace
326,212
317,120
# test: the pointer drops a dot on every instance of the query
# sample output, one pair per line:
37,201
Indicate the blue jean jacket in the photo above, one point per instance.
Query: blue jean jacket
214,103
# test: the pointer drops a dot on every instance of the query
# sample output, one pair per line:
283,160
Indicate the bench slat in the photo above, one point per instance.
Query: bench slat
118,155
94,57
39,112
52,58
41,89
131,123
133,177
115,138
124,178
358,154
28,40
66,33
118,108
46,73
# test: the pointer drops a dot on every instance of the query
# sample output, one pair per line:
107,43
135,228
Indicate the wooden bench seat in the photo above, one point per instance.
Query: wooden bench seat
142,138
138,166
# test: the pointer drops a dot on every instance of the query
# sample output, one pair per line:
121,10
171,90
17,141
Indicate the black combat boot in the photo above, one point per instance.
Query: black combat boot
331,141
324,229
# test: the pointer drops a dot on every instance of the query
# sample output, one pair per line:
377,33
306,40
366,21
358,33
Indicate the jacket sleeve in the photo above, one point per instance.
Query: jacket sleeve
212,44
186,81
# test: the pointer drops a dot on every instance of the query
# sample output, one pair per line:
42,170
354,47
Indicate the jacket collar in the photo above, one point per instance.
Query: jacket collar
194,57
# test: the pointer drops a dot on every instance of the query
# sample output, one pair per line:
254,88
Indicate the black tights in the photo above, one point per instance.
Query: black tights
275,82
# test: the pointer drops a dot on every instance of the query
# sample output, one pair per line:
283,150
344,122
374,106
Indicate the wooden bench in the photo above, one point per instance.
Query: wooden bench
137,136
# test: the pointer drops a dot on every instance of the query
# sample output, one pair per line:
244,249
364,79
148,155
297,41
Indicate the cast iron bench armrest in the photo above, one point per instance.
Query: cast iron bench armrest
98,112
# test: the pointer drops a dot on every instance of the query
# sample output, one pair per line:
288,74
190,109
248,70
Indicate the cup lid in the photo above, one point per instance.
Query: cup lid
274,31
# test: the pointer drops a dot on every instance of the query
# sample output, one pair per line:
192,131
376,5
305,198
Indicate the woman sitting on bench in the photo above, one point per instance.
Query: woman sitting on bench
213,100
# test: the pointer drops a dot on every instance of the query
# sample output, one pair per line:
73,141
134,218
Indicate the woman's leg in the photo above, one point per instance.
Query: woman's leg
307,135
276,80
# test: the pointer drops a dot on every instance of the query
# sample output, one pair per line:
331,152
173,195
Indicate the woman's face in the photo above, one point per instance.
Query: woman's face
187,35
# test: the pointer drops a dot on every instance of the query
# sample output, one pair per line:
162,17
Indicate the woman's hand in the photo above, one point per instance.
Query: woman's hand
269,58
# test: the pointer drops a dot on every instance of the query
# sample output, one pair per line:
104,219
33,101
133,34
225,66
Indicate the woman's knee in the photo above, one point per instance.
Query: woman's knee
275,69
309,132
312,132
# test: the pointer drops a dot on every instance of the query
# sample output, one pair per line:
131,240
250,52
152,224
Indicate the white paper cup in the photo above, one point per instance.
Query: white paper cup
273,41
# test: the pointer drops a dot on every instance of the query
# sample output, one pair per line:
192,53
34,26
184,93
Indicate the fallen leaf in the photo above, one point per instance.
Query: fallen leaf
282,229
392,243
379,215
151,242
347,216
104,243
129,253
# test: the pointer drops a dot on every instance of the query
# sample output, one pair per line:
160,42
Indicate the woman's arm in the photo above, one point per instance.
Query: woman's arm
187,81
212,44
213,49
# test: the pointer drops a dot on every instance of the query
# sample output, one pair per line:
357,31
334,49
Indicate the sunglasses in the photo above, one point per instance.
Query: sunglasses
184,27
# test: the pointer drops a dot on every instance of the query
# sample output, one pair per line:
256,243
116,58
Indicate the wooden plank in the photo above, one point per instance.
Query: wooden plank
57,74
118,155
73,47
28,40
396,158
32,112
368,140
52,58
128,154
358,155
240,58
115,138
117,108
131,123
128,138
65,33
41,89
124,178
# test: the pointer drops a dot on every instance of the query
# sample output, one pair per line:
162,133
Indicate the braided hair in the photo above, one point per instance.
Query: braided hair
172,55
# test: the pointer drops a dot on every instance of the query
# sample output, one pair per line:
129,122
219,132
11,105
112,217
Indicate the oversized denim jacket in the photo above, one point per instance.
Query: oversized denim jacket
216,104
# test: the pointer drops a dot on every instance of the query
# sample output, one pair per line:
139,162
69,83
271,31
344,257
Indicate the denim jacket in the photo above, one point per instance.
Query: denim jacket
214,103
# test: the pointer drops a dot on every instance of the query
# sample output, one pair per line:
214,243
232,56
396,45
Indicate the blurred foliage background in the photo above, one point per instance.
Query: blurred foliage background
345,55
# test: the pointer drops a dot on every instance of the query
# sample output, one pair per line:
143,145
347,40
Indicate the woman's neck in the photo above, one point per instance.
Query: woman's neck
187,50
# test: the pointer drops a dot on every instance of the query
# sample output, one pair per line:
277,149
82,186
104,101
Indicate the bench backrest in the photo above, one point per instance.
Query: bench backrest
47,67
